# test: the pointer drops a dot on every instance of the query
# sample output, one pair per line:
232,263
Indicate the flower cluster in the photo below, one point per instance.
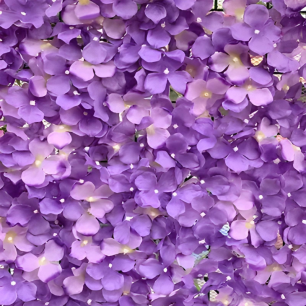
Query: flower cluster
152,152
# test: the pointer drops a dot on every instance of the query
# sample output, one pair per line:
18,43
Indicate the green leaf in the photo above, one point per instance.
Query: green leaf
3,128
195,281
174,95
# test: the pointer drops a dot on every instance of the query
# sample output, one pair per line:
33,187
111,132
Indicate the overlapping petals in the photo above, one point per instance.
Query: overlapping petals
152,153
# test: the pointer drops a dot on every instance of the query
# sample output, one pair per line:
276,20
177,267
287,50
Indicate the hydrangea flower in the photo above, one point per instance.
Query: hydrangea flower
234,61
257,28
152,152
46,266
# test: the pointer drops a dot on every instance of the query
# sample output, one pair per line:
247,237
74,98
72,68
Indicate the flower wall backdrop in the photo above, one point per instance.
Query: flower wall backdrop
152,152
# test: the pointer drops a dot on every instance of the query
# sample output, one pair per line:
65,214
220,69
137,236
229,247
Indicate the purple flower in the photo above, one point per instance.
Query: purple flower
257,96
35,174
295,4
111,247
234,61
99,205
152,152
85,71
164,72
257,28
12,238
235,8
85,248
204,94
46,266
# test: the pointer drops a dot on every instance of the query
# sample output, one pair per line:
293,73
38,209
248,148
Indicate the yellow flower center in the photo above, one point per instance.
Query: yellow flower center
235,60
191,70
150,130
84,242
260,136
37,163
84,2
126,250
285,87
9,237
61,128
239,13
42,261
249,225
206,94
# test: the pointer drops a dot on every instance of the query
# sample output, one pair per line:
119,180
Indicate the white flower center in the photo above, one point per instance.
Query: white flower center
166,71
13,283
256,31
67,72
199,19
23,13
32,103
155,191
260,197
